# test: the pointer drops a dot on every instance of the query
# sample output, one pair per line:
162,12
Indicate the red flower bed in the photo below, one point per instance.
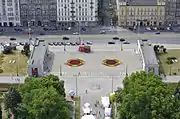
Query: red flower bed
75,62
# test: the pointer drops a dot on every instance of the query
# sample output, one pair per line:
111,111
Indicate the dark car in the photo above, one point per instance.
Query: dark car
83,29
21,43
73,44
59,43
115,38
126,42
12,38
65,38
77,43
50,44
42,33
158,33
111,42
55,43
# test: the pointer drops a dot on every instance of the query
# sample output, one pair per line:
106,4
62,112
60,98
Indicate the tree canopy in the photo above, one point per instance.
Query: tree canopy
145,96
43,98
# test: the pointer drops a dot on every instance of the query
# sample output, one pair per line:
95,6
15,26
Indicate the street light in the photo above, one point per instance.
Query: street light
60,71
76,76
112,84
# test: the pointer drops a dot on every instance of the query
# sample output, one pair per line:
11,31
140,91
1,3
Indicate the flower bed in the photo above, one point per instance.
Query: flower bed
111,62
75,62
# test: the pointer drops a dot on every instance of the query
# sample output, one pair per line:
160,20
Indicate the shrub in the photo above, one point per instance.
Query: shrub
1,70
174,73
169,62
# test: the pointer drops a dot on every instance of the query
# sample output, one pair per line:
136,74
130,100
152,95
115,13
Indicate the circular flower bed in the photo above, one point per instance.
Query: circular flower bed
111,62
75,62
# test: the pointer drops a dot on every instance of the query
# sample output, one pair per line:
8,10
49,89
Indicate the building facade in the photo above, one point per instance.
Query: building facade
77,12
38,12
9,13
172,12
141,12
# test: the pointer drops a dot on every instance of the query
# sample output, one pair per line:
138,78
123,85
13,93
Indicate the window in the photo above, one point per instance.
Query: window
9,4
11,18
10,9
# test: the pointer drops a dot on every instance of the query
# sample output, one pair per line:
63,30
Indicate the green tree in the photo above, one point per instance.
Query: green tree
26,49
43,98
145,96
46,103
11,100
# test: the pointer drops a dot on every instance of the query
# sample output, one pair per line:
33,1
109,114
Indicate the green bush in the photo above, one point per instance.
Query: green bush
174,73
1,70
169,62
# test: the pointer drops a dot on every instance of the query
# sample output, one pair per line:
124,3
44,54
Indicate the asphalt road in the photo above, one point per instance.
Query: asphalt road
163,38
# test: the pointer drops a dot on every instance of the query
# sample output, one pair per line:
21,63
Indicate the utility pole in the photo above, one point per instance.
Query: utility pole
60,70
76,84
112,84
126,70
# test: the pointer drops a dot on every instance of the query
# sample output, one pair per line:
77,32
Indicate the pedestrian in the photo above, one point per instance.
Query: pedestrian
86,92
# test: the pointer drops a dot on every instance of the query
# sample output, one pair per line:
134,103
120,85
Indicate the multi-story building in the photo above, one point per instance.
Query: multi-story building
38,12
72,12
9,13
172,12
141,12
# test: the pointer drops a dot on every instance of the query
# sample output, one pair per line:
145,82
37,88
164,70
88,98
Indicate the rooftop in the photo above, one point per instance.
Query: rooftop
38,53
148,53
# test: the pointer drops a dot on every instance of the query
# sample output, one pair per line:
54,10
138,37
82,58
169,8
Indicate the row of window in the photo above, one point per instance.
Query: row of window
10,19
77,5
141,13
144,9
78,19
65,1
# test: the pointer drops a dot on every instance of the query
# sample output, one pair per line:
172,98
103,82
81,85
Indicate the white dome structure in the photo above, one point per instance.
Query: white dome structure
88,117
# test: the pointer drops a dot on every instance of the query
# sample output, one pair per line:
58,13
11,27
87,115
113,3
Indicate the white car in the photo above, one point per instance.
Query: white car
76,33
89,43
68,43
148,28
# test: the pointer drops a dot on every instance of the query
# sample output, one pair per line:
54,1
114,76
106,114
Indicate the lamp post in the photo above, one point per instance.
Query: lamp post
76,76
126,70
112,84
60,71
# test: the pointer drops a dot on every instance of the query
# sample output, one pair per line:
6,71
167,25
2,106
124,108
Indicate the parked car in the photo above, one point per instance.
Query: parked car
42,33
103,32
21,43
115,38
111,42
158,33
59,43
77,43
50,43
12,38
75,33
73,44
68,43
126,42
89,42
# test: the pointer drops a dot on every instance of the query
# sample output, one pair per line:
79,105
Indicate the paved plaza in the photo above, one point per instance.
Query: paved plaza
93,61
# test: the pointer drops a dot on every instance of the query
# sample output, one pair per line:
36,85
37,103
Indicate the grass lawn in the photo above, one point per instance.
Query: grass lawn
77,108
19,66
164,67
